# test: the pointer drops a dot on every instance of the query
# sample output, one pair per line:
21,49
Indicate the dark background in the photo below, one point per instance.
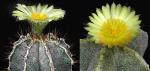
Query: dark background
70,27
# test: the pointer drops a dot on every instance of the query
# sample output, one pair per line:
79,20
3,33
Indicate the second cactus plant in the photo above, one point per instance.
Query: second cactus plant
115,41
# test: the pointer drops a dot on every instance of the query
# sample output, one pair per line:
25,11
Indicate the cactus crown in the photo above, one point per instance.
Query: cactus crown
39,16
113,25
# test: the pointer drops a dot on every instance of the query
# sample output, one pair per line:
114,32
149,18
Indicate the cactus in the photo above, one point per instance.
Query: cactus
115,41
94,56
36,51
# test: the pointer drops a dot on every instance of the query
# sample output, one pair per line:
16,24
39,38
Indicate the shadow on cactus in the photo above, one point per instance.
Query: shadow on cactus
115,41
36,51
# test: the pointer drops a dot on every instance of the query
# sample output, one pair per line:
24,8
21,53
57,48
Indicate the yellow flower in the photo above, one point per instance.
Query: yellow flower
38,14
113,25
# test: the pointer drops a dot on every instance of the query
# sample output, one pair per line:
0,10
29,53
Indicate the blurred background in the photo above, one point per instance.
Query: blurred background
71,27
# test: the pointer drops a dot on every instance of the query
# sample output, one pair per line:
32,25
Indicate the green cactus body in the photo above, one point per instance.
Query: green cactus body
119,59
40,55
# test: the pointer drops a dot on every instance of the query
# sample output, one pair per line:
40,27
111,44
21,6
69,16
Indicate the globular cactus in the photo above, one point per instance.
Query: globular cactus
35,51
115,41
40,55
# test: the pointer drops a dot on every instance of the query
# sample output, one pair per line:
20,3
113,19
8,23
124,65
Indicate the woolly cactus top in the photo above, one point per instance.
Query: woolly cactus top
113,25
39,16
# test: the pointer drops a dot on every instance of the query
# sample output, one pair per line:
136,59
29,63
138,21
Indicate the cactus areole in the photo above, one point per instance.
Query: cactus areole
33,53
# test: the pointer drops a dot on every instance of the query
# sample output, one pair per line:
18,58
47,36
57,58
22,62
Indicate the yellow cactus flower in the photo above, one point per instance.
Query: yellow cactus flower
113,25
37,14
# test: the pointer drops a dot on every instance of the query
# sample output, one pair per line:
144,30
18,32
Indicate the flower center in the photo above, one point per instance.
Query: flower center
38,16
114,32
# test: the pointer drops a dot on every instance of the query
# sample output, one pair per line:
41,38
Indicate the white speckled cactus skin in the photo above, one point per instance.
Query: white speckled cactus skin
50,54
